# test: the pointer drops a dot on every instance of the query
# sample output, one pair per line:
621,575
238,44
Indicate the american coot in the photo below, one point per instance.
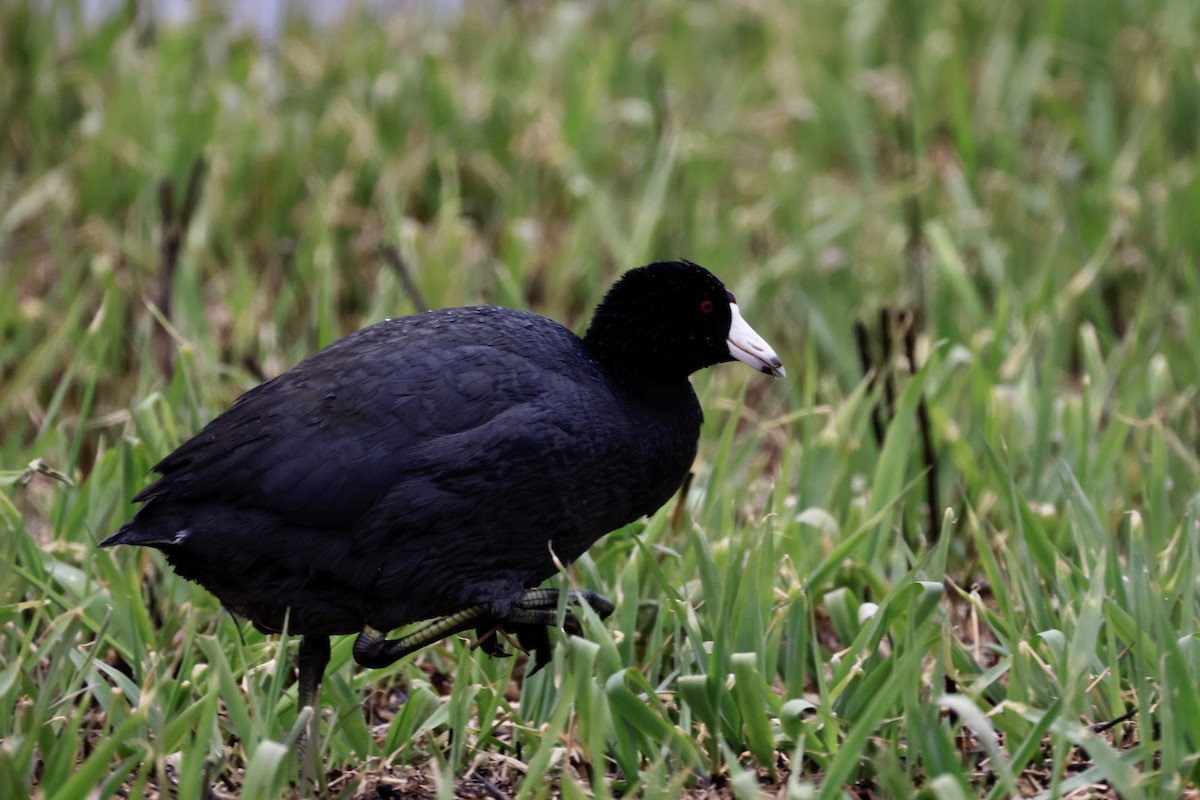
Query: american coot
436,465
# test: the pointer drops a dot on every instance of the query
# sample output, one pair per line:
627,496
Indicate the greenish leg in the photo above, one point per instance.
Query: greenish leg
537,607
373,650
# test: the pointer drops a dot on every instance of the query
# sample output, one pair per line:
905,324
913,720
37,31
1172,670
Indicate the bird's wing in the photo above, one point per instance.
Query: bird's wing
321,444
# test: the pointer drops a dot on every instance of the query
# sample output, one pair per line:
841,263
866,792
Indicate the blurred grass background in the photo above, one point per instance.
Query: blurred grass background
1022,176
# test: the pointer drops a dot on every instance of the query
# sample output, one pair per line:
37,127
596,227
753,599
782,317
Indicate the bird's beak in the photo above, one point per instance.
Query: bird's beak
748,347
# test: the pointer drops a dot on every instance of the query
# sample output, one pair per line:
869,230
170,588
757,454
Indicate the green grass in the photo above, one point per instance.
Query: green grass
1023,176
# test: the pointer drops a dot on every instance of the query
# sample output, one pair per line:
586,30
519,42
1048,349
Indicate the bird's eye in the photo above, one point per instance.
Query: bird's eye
706,306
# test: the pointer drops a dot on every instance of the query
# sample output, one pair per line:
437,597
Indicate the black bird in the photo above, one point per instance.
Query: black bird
434,466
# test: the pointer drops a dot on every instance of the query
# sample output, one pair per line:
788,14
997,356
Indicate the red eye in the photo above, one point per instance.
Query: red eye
706,306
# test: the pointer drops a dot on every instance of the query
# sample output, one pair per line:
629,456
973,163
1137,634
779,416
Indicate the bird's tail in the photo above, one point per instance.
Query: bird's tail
138,531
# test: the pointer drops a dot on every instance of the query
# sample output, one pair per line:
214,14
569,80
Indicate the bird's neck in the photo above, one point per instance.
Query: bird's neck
630,356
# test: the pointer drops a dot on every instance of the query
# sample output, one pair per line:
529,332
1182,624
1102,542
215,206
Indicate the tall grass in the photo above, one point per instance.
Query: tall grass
1022,176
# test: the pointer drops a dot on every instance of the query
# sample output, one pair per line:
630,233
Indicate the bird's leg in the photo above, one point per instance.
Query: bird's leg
537,607
314,657
373,650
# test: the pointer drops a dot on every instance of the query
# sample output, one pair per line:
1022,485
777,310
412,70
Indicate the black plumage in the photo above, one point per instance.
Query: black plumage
440,462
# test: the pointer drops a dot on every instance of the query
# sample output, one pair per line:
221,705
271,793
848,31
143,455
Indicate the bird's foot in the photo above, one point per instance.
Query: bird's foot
531,618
